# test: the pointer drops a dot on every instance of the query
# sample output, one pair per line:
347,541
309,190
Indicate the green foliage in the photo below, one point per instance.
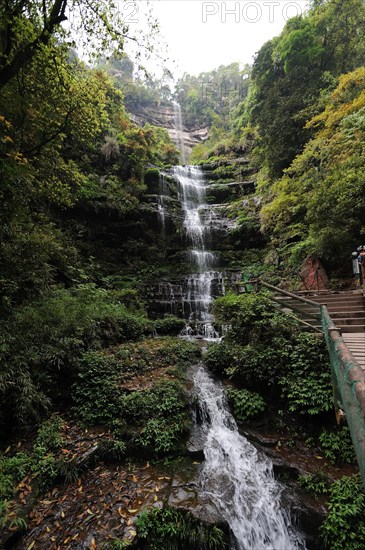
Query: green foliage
95,392
264,351
344,526
337,445
43,340
42,463
158,417
169,325
306,384
177,530
49,435
245,404
12,470
315,484
253,318
151,420
294,72
323,188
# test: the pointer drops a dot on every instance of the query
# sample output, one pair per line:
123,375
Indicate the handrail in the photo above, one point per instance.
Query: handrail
349,386
290,294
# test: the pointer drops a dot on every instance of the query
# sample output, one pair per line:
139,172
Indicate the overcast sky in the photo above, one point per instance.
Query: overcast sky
201,35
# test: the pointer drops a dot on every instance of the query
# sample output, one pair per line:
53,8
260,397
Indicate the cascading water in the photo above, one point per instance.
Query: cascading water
179,131
237,479
192,193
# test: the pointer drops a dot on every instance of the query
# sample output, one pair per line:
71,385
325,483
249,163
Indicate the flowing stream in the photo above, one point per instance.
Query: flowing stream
239,480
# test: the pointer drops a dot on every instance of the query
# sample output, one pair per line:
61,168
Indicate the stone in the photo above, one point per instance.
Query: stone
313,275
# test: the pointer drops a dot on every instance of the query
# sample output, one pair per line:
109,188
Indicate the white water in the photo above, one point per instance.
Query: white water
238,480
192,195
179,131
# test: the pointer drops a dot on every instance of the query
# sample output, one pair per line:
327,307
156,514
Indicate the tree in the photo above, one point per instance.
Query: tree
294,72
27,25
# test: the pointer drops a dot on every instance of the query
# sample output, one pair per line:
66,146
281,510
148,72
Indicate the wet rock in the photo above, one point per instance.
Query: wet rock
267,440
185,496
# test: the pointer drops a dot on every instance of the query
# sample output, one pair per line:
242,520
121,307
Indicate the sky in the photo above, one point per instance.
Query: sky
202,35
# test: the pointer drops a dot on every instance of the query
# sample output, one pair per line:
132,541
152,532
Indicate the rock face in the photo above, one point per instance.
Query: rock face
313,275
165,116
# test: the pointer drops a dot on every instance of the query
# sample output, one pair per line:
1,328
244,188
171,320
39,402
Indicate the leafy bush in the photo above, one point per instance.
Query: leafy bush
245,404
155,353
337,445
254,366
12,470
314,484
95,393
157,418
177,530
252,318
344,526
49,435
42,342
307,385
169,325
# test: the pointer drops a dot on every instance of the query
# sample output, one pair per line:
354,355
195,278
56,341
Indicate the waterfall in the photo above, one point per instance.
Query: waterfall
179,131
199,285
237,479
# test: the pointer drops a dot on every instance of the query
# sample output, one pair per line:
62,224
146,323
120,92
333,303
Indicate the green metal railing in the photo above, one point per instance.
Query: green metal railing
348,380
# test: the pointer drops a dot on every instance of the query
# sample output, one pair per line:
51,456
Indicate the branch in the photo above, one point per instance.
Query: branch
26,53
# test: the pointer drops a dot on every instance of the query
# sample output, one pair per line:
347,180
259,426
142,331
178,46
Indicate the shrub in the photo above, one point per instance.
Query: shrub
337,445
177,530
315,484
344,526
245,404
252,318
96,396
157,418
254,366
306,385
43,341
169,325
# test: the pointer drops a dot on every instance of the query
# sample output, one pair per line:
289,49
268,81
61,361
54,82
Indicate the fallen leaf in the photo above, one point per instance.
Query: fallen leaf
31,545
133,511
155,498
7,449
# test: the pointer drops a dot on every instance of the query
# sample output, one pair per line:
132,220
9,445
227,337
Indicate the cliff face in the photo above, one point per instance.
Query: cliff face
164,115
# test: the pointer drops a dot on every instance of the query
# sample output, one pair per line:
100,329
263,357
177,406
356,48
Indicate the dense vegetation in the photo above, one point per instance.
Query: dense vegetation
80,250
302,127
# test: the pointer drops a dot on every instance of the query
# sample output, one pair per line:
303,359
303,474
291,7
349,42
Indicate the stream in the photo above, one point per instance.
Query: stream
237,479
